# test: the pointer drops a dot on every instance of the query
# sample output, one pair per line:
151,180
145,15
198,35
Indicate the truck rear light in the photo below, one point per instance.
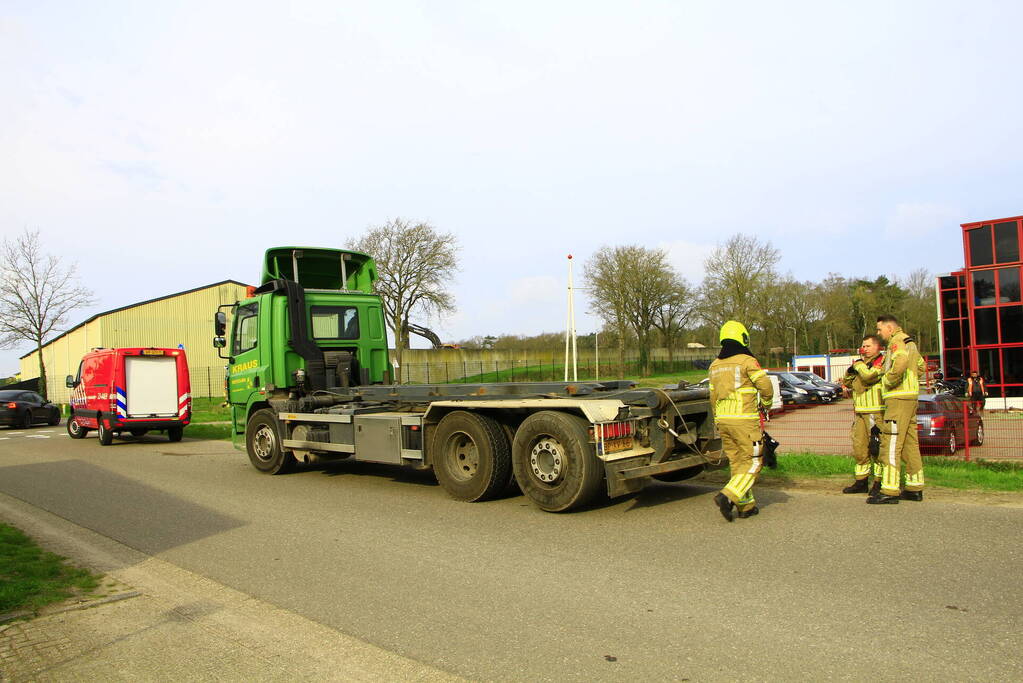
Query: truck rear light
613,436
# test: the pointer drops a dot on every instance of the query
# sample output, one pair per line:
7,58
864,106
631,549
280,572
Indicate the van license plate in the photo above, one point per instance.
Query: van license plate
152,352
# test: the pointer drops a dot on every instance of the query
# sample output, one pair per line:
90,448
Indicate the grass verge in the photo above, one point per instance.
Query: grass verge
946,472
208,431
31,577
210,410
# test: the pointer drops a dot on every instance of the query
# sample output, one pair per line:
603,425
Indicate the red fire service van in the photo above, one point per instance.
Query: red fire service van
130,390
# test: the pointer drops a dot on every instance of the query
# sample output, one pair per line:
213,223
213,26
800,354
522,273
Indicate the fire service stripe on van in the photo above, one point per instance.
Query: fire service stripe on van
183,404
122,403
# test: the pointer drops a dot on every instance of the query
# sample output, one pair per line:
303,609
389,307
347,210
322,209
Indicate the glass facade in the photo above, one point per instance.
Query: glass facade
981,307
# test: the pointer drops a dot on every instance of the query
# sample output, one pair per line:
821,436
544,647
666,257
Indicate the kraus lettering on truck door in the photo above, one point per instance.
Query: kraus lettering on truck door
245,371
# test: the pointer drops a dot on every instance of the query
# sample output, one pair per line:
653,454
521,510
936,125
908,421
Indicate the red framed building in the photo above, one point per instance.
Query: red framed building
981,311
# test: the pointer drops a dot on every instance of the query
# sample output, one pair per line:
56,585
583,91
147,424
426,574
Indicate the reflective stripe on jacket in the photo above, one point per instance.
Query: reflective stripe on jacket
734,384
902,367
866,385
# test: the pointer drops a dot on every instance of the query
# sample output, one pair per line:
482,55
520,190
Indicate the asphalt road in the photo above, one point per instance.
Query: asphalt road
655,586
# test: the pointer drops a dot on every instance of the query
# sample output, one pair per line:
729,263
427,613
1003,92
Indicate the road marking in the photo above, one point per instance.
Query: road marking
15,433
37,436
5,438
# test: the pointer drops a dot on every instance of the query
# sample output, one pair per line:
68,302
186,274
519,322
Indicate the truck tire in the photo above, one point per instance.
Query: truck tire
471,456
74,429
106,437
263,444
175,433
554,461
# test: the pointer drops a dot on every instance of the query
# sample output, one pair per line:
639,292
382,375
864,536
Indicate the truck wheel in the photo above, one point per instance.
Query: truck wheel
75,430
471,456
106,437
680,475
175,433
554,461
263,444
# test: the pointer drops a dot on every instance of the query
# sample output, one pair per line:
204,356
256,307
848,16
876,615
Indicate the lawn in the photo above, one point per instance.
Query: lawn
31,577
945,472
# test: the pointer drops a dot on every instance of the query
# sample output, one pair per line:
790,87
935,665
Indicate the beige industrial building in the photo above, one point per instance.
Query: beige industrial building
184,318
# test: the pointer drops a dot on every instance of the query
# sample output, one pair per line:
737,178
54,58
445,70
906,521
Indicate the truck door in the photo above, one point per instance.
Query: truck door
246,374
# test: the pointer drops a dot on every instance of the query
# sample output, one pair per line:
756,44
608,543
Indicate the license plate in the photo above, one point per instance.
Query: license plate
615,445
152,352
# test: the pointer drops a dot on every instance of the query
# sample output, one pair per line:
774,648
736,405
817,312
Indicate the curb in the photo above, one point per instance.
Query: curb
44,612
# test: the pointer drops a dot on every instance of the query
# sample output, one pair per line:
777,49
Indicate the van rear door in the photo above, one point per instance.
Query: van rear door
152,386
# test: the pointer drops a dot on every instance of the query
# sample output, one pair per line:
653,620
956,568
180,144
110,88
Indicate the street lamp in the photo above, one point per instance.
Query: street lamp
793,345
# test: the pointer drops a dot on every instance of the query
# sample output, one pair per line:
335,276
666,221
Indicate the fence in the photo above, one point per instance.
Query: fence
946,425
473,371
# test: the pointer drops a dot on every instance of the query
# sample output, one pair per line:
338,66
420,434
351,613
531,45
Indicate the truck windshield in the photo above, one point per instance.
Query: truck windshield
335,322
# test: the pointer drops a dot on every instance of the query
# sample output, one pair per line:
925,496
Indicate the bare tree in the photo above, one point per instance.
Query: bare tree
37,294
415,264
738,277
630,284
675,313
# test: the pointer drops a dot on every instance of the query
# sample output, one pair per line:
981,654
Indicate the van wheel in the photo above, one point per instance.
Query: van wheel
75,430
175,433
263,444
471,456
106,437
554,461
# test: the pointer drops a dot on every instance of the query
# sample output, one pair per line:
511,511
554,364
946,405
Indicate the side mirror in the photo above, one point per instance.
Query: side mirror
219,342
220,325
70,382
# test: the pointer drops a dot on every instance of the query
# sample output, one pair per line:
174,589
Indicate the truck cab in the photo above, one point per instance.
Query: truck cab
313,324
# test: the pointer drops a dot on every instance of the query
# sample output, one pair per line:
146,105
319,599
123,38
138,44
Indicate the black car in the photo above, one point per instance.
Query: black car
790,397
20,408
941,423
814,393
818,381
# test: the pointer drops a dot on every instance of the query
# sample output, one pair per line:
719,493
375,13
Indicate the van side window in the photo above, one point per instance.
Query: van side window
245,329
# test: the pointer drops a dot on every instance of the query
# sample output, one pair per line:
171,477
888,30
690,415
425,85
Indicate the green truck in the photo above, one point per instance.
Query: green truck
309,380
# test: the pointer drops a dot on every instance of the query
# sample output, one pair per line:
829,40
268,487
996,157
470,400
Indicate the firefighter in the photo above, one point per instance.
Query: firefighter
900,390
864,379
739,390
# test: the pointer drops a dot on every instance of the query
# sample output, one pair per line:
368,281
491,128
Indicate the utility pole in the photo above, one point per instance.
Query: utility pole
570,329
793,345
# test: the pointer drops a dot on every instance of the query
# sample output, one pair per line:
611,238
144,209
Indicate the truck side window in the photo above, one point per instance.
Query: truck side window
335,322
245,329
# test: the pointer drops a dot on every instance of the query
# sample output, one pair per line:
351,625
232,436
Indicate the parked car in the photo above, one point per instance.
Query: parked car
818,381
815,393
23,409
941,425
790,397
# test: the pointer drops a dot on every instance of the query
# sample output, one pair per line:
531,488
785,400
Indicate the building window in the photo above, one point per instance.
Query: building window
1011,323
950,303
1006,242
1012,365
1008,285
980,246
989,367
953,334
984,288
986,320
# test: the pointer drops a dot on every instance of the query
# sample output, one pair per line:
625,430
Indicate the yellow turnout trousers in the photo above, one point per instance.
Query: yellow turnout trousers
862,422
743,444
900,444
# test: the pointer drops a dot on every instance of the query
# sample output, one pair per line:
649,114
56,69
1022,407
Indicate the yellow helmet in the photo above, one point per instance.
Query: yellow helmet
735,331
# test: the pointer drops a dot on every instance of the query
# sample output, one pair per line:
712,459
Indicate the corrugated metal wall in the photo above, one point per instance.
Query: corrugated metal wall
184,319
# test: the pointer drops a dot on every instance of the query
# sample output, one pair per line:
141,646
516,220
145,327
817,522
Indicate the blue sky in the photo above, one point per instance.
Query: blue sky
164,146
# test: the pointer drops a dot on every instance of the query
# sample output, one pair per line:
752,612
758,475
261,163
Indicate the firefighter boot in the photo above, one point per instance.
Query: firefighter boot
858,486
875,489
882,499
725,505
918,496
743,514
